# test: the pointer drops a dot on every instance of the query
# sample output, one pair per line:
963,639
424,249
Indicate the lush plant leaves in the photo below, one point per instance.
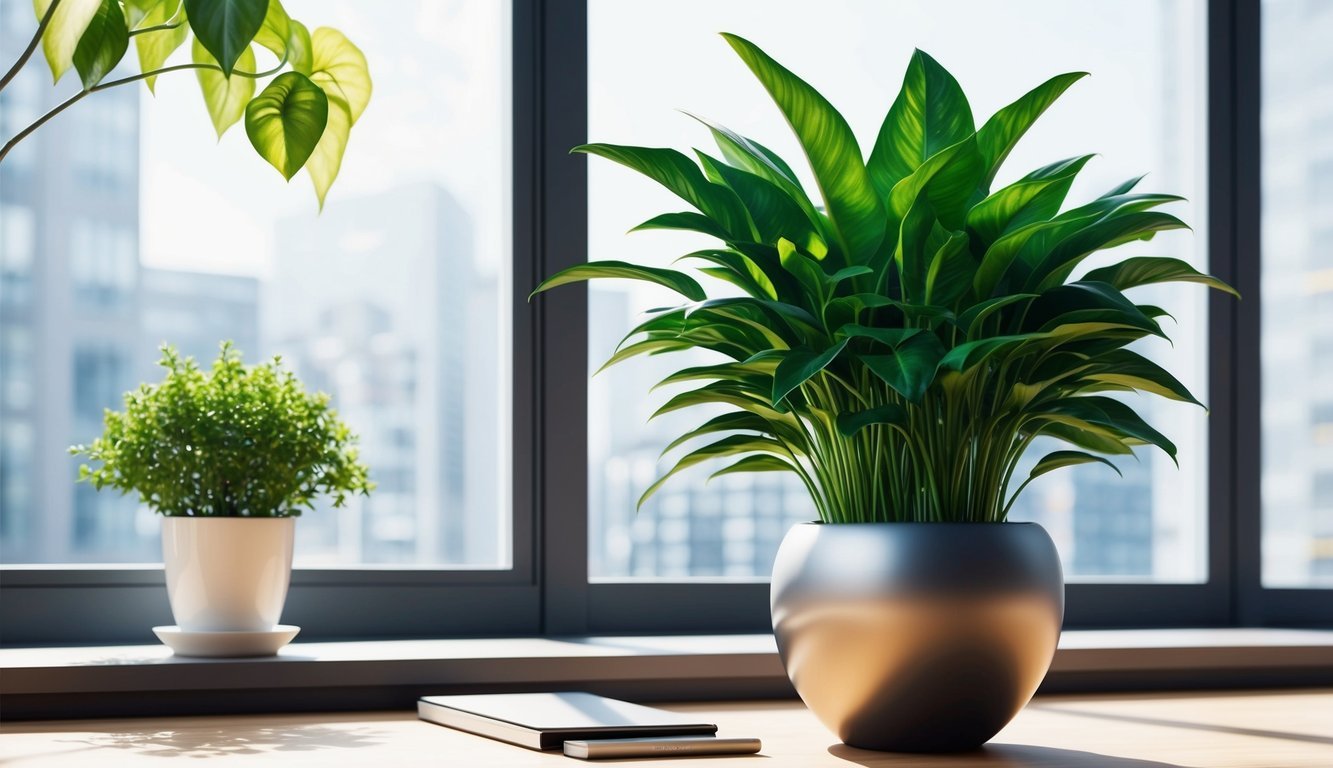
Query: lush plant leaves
340,69
225,97
849,197
287,38
67,25
911,366
1036,197
102,45
851,423
286,120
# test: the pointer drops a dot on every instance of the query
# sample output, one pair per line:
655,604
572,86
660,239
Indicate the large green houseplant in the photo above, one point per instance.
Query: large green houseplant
229,457
899,343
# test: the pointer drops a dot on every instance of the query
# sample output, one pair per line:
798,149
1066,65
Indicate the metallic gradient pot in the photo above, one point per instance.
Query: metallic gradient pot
917,637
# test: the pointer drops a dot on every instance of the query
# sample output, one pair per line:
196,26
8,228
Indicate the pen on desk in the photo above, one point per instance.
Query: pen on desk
671,746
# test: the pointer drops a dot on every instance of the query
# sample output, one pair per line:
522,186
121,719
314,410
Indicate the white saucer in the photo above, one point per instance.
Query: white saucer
218,644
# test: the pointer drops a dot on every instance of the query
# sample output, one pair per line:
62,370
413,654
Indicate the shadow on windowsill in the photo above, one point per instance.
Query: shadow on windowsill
231,740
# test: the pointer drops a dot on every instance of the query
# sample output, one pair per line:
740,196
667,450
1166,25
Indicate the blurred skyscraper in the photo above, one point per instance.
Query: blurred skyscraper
377,314
69,292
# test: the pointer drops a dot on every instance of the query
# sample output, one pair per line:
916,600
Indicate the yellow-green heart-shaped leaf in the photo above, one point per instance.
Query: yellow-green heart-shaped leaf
62,33
286,37
155,47
327,159
286,120
102,45
340,69
226,27
225,97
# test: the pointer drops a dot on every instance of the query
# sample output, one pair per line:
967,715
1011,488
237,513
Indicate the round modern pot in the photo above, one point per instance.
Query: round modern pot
227,574
917,637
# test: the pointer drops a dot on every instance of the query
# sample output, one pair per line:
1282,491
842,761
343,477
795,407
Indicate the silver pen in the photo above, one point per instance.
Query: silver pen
666,746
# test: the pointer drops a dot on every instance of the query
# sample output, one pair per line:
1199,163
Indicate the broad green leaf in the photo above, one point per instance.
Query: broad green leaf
1130,369
224,96
276,30
735,421
849,196
930,114
647,347
806,271
972,320
225,28
63,32
1033,198
911,367
327,159
102,45
1061,459
950,272
340,68
968,354
154,48
1114,415
1086,302
996,139
286,120
851,423
681,176
137,11
668,278
300,49
1145,270
685,220
757,463
948,178
774,213
742,271
799,366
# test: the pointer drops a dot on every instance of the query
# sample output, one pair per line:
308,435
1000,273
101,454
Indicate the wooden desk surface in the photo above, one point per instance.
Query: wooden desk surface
1260,729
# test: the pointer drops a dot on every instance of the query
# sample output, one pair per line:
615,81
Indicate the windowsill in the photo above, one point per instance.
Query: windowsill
143,680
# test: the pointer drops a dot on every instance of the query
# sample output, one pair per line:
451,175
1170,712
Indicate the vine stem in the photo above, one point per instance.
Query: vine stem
23,134
32,46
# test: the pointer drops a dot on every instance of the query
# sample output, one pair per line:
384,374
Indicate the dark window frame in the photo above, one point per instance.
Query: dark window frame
547,590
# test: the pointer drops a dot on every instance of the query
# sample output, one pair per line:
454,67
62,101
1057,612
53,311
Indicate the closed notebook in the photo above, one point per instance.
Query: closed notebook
547,720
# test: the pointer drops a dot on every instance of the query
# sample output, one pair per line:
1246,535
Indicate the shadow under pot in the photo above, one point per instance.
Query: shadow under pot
917,637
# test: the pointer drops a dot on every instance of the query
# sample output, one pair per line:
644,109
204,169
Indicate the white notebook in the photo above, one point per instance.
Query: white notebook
547,720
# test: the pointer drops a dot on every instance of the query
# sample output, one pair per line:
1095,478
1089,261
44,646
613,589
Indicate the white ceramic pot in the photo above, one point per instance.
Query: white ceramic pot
227,574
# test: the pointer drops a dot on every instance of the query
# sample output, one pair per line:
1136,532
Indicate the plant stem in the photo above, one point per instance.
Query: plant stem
158,28
23,134
32,46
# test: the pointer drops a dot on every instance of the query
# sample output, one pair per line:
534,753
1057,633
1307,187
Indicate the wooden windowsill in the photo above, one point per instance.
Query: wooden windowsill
148,680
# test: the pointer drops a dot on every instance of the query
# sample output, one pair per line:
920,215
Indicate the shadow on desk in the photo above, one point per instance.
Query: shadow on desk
993,756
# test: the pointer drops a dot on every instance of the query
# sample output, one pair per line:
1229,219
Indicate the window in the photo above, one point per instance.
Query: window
507,477
1143,104
1297,296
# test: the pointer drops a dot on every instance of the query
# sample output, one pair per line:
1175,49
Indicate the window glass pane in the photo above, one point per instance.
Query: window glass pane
1297,337
1143,111
393,299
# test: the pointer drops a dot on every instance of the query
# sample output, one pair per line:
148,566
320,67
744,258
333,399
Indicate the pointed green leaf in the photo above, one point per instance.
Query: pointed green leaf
1114,229
758,463
774,213
972,320
949,275
799,366
727,422
62,33
1130,369
668,278
996,139
1033,198
849,197
1145,270
154,48
225,28
286,120
733,445
911,367
224,96
968,354
679,174
1114,415
102,45
685,220
274,33
1061,459
930,114
889,337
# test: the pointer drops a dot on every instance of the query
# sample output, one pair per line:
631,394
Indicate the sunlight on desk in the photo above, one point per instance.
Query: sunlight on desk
1258,730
